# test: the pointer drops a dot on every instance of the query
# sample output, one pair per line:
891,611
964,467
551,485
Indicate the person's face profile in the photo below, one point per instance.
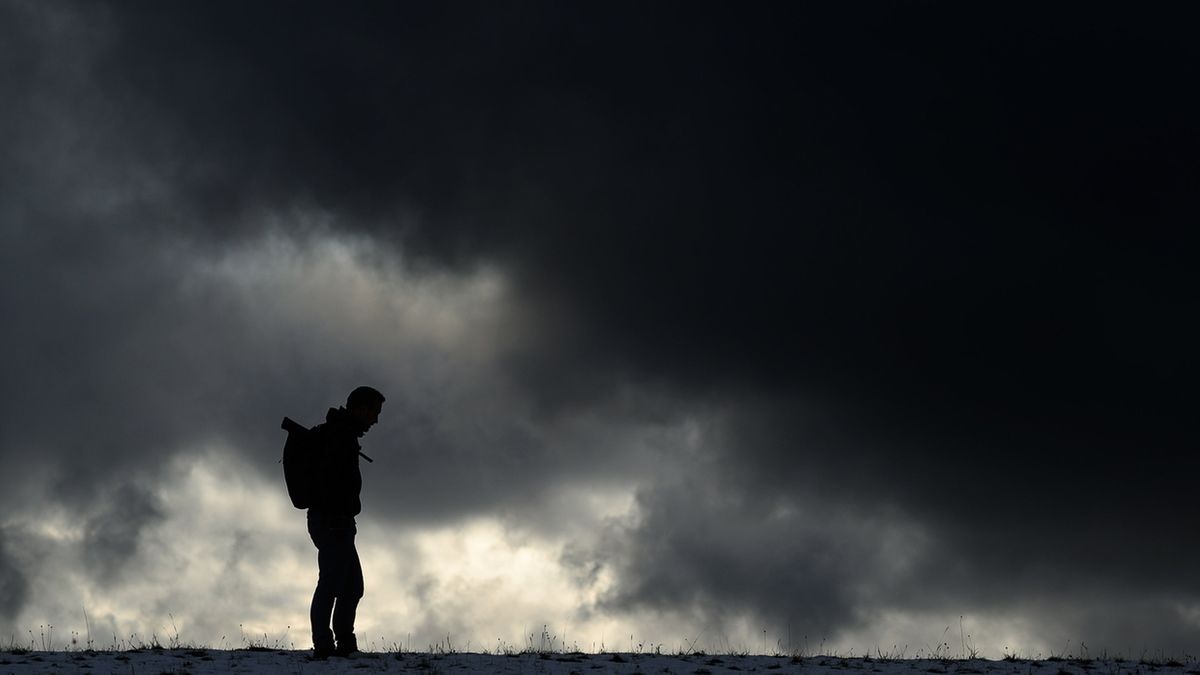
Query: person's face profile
367,415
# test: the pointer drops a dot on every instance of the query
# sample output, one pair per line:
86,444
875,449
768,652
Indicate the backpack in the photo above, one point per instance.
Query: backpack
300,463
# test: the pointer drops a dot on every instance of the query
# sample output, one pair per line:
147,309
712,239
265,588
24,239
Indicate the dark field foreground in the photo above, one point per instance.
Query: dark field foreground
208,661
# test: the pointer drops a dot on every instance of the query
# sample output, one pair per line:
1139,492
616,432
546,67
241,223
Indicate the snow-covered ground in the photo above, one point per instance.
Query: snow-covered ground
209,661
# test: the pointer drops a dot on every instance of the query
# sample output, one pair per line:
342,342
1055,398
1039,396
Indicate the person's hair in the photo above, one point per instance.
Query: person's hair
364,396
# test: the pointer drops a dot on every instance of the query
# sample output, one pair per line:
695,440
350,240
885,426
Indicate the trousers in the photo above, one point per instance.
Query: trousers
339,580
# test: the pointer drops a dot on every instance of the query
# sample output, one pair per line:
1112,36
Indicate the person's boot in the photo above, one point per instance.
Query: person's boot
321,653
346,645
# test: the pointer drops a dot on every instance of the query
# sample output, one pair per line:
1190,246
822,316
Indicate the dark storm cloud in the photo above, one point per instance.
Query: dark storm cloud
802,564
782,197
14,588
111,537
931,260
827,539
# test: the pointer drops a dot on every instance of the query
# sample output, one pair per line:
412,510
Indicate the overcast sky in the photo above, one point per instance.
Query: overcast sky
742,326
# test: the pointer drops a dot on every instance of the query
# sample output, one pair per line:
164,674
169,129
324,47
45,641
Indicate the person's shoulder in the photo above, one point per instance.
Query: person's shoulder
335,434
325,433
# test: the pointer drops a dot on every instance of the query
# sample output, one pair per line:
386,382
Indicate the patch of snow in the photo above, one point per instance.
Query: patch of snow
290,662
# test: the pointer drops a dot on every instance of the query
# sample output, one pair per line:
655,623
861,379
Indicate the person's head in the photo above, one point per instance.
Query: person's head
363,405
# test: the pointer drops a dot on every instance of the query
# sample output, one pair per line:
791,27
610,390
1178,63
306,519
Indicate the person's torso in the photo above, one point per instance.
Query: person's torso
339,481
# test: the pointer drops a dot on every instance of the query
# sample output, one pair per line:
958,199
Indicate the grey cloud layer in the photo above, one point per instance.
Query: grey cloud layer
925,285
14,588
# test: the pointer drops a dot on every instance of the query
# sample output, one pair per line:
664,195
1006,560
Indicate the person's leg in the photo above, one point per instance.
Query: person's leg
347,601
334,549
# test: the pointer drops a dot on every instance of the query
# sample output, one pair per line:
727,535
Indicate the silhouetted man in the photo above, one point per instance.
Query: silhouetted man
331,522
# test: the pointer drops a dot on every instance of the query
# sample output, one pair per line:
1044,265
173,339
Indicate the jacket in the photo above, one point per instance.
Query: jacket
340,482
